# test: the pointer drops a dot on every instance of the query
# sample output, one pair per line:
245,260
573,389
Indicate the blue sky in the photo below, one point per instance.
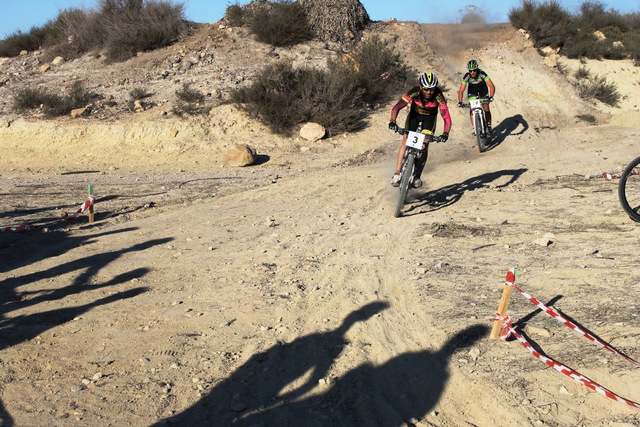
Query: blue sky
24,14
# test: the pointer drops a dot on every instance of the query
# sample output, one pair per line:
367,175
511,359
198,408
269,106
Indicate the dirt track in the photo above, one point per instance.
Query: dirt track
287,294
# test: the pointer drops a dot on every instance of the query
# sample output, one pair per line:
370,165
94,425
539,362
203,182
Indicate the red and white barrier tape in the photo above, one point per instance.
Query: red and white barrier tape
508,329
562,368
90,201
610,176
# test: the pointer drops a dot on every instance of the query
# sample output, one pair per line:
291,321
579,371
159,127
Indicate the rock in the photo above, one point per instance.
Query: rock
551,61
80,112
239,155
312,131
58,60
618,44
44,68
548,50
541,332
173,133
599,35
138,107
543,242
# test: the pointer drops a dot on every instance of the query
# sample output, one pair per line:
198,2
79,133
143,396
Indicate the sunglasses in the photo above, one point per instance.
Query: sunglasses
473,71
428,89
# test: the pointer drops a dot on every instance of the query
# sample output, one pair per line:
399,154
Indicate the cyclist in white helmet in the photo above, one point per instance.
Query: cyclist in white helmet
425,100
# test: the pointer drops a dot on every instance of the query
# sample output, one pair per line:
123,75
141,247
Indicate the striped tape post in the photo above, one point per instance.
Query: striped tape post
508,329
504,303
24,227
91,197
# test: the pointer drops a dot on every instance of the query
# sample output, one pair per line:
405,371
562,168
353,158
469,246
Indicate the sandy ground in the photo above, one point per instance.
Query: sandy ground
286,293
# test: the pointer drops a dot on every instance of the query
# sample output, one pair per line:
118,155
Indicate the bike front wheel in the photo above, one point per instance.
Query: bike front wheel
629,190
480,134
405,182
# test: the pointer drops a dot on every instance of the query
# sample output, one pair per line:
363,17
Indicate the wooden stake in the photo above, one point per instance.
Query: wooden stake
502,310
91,217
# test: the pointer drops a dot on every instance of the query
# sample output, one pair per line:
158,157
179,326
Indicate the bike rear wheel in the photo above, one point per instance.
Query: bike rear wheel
405,182
629,190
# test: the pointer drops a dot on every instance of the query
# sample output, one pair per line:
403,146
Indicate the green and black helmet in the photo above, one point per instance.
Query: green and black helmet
472,65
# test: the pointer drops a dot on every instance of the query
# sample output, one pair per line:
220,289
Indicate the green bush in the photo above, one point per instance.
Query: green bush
282,23
337,97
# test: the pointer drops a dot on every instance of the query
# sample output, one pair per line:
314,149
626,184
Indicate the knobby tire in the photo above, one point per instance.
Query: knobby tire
482,141
405,182
629,190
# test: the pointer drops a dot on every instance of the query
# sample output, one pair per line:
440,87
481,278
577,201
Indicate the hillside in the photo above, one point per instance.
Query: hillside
286,293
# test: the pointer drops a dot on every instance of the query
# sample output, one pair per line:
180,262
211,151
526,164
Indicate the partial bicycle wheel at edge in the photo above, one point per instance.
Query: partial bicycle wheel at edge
629,190
405,181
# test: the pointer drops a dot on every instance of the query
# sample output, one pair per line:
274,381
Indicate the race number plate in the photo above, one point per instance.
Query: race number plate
415,140
475,103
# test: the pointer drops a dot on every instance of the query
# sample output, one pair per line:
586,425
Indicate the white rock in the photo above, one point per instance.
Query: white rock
312,131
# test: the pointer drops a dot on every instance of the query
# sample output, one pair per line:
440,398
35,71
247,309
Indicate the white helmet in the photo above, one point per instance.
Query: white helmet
428,81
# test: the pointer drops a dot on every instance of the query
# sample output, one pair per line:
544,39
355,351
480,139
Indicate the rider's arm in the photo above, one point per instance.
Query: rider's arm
463,86
404,101
492,88
396,108
444,112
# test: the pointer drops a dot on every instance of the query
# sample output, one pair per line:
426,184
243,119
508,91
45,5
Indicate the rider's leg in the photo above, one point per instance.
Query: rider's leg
487,114
401,151
420,162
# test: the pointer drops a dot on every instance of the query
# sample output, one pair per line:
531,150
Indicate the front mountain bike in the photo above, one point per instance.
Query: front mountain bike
416,147
478,118
629,190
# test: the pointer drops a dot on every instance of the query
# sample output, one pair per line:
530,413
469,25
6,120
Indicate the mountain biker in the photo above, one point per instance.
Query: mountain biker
480,85
425,100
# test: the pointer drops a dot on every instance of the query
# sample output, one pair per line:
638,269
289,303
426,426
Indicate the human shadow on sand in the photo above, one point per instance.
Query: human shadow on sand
405,387
24,248
447,196
16,329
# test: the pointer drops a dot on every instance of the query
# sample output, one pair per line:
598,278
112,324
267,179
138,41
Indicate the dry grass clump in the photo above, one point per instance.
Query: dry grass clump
336,97
190,102
120,28
51,105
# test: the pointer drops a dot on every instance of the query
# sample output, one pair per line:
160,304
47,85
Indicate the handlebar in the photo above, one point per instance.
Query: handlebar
484,101
402,131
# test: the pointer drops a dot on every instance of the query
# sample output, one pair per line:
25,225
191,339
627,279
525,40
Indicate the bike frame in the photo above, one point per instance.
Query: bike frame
479,121
416,145
477,114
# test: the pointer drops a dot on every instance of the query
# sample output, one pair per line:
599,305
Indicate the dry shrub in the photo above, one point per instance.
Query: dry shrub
336,97
190,102
336,20
282,23
121,27
235,15
52,105
599,88
550,25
